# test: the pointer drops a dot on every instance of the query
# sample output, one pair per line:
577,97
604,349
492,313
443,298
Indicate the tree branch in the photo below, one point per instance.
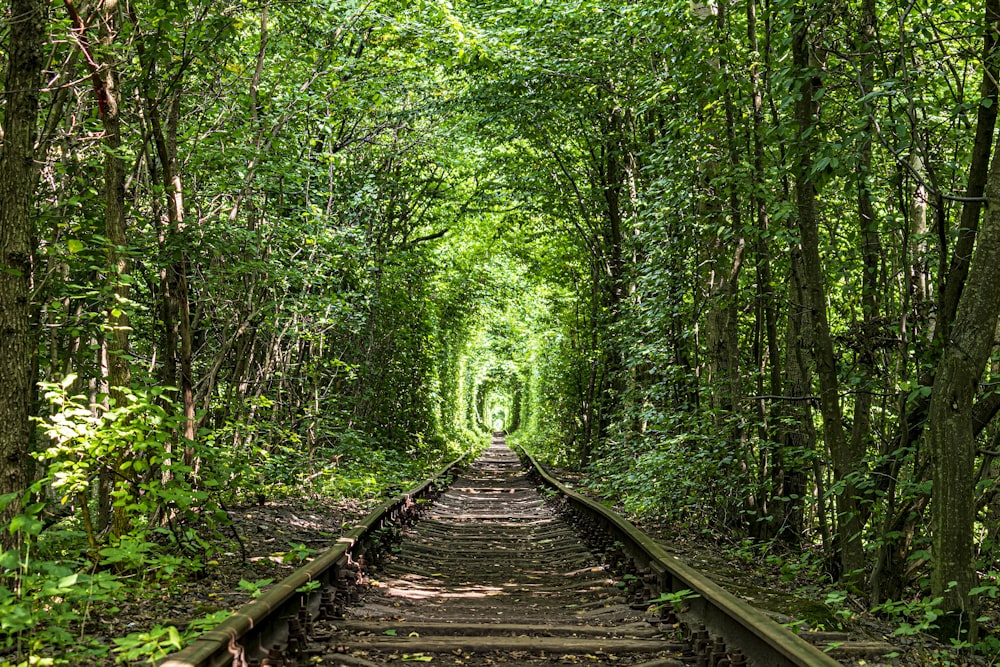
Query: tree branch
79,31
429,237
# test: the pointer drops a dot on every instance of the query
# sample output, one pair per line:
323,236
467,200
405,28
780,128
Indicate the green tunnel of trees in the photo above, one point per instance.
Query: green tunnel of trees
736,262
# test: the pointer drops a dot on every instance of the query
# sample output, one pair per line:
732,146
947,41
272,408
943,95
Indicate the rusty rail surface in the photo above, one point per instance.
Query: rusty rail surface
321,586
722,615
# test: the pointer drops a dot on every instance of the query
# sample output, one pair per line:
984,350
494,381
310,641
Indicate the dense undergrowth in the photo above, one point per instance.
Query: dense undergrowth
55,588
65,577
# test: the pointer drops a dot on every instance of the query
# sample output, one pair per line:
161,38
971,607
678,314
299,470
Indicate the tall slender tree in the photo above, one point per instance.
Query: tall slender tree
952,428
808,94
18,179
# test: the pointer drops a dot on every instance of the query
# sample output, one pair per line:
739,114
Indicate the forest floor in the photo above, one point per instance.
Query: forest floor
795,596
797,600
279,534
276,537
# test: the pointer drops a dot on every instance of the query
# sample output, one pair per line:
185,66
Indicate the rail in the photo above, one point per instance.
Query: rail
280,619
320,586
761,639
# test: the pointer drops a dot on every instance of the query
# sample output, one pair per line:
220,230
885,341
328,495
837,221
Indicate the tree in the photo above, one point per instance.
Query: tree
18,178
851,554
950,433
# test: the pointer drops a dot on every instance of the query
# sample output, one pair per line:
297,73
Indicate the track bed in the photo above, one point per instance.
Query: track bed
491,575
493,572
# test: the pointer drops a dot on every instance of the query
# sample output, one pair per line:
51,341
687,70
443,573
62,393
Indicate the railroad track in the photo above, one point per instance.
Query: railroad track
496,573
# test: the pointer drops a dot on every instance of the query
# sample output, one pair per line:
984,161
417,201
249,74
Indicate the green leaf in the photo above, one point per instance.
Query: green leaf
29,525
991,591
6,499
308,587
10,560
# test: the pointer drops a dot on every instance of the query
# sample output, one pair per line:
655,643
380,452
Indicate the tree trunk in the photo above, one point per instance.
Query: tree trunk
786,480
986,119
848,524
174,187
865,344
797,435
176,301
18,177
119,367
951,431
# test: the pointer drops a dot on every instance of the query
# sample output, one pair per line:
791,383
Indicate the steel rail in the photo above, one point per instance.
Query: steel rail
763,641
271,619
